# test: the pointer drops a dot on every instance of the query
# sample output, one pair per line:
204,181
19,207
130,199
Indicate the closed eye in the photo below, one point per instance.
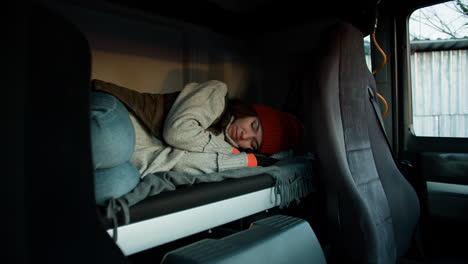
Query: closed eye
255,125
255,128
254,144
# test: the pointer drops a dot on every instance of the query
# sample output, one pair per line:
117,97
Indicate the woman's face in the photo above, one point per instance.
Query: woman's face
246,132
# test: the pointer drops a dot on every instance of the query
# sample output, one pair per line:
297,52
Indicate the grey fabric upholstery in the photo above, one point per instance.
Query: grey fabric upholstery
403,201
372,209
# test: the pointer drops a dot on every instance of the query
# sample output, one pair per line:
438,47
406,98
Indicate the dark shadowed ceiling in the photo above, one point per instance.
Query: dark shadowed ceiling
241,17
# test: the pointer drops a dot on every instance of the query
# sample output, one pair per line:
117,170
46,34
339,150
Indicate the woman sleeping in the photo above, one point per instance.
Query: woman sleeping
196,131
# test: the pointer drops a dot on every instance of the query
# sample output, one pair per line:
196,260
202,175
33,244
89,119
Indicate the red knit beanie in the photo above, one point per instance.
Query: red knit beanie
281,130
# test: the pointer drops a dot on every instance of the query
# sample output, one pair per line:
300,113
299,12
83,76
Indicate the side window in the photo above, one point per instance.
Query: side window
367,52
439,72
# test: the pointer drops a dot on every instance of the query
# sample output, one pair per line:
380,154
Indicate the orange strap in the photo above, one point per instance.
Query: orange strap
235,151
381,52
378,69
385,103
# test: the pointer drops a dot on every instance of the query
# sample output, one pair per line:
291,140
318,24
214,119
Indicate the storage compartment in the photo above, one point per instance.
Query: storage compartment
263,242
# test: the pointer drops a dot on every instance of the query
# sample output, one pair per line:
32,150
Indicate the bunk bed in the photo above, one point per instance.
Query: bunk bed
156,55
141,219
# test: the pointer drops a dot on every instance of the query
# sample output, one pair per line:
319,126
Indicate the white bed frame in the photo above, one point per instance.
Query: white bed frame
136,237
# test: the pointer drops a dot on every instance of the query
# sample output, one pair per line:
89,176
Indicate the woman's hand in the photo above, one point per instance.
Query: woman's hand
265,161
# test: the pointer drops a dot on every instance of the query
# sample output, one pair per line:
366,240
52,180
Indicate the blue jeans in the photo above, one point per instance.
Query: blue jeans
112,146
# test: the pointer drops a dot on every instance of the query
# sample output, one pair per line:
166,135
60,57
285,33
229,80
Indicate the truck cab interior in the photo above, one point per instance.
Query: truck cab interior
384,109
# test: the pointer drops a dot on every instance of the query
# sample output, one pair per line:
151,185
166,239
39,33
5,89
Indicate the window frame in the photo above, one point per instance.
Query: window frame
408,141
442,109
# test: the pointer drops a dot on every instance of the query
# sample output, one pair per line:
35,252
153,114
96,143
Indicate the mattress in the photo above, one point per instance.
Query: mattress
171,215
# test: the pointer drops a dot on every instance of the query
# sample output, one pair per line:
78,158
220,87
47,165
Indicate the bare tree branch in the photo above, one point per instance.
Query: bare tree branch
428,20
462,8
449,26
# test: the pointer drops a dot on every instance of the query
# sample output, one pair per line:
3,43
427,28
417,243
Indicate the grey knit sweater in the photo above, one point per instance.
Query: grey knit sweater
190,148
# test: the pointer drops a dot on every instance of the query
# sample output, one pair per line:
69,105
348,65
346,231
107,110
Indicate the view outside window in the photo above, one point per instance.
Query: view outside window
439,72
367,52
